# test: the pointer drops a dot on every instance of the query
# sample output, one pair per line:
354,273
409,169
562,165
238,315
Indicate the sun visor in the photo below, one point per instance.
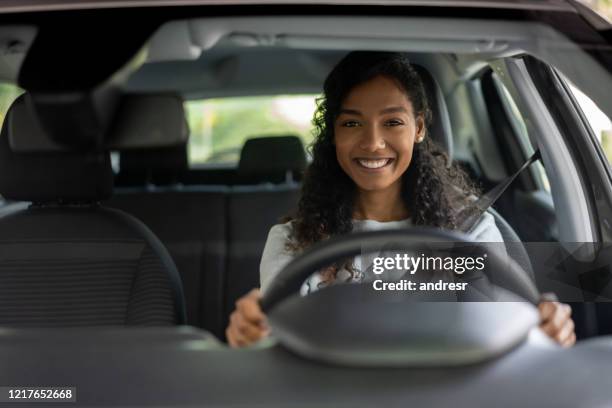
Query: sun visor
141,121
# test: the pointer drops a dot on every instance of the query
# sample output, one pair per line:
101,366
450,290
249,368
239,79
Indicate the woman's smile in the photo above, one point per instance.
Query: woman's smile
374,164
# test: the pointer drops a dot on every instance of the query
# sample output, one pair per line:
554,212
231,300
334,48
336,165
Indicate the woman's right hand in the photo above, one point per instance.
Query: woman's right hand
248,324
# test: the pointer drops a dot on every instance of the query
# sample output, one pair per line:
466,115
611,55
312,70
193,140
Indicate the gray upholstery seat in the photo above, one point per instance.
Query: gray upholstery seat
160,166
441,132
65,260
210,230
268,169
440,129
271,159
190,221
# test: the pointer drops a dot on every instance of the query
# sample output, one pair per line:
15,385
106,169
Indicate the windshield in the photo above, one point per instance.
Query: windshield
425,187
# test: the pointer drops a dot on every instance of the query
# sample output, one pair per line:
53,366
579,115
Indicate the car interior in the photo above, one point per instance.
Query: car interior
140,175
212,221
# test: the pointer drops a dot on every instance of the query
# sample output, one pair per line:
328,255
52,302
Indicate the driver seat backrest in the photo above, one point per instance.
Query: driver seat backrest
441,132
514,244
440,129
67,261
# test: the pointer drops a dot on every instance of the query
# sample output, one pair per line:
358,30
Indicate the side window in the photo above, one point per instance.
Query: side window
520,129
8,94
598,121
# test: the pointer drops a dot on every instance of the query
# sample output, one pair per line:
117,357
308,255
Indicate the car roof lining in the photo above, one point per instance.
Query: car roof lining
215,45
15,6
202,39
15,41
189,38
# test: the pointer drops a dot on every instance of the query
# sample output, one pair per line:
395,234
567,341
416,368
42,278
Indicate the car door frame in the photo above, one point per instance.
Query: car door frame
588,156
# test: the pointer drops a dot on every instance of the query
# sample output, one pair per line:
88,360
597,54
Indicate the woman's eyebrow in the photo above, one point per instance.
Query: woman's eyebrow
350,112
394,109
391,109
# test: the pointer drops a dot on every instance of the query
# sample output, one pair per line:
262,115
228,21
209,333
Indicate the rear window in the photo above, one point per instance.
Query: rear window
219,127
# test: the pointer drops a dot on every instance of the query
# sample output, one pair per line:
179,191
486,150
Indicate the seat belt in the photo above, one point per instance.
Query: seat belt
490,197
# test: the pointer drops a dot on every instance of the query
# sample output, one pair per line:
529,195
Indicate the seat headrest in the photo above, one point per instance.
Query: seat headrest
270,159
149,121
142,121
156,166
440,129
50,176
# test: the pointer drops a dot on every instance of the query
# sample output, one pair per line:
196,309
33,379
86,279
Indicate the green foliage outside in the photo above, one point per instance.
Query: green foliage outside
606,143
8,93
219,127
604,7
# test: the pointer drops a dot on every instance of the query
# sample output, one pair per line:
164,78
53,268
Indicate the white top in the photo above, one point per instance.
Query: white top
275,256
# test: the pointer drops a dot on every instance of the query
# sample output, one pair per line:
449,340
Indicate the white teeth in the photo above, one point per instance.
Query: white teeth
373,164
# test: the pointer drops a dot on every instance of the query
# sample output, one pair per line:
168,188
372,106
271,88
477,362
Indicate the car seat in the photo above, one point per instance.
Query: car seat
66,260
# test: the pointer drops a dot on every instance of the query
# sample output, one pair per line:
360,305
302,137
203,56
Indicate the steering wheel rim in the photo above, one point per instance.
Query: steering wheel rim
290,278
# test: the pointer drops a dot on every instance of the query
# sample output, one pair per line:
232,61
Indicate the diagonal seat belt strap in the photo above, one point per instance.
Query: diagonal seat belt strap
488,199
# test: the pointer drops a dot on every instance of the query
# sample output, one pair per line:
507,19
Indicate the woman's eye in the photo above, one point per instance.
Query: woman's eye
350,123
394,122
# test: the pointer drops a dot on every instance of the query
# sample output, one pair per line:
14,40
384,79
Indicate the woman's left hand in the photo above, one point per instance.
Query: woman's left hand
557,323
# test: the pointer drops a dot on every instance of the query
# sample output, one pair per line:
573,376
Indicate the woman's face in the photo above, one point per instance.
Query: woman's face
375,134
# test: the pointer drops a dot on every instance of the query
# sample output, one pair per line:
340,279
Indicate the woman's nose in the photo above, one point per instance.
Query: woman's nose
372,140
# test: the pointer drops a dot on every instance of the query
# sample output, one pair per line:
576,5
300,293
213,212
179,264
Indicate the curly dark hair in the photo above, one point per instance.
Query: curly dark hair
435,191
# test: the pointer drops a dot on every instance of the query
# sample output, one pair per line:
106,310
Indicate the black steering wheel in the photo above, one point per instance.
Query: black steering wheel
322,254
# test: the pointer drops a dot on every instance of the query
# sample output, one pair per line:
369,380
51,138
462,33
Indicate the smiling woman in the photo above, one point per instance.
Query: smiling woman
375,133
379,112
374,167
